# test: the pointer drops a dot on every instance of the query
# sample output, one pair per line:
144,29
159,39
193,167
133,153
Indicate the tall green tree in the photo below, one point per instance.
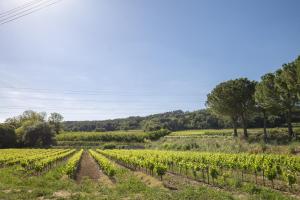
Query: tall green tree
233,99
287,86
27,115
221,102
55,119
266,98
297,64
31,128
244,94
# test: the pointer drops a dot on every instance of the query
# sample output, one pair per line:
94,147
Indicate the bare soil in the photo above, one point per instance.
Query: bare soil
89,168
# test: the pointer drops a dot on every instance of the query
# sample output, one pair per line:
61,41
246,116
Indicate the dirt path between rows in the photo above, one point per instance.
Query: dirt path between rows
88,168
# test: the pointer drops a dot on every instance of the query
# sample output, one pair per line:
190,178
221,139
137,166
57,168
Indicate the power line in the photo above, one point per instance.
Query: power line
35,10
16,9
18,12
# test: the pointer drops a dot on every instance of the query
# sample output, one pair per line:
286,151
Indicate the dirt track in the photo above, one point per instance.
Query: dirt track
88,168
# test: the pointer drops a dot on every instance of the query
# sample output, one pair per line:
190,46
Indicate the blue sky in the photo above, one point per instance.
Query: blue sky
101,59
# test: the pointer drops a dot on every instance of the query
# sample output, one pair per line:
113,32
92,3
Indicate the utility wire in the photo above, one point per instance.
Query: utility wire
18,13
19,16
18,8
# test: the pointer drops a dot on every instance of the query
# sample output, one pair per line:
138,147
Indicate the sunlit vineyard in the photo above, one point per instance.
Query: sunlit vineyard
72,165
279,173
227,132
267,170
34,160
117,136
105,164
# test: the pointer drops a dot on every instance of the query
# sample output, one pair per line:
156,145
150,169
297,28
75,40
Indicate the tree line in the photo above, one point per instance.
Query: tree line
30,129
173,121
276,94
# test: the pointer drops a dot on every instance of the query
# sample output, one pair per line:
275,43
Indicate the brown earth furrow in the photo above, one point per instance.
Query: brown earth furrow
88,168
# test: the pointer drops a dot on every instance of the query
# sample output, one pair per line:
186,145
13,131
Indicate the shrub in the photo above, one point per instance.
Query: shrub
8,137
38,134
154,135
109,146
160,170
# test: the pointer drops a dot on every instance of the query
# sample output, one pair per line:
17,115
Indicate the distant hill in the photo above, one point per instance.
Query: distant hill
175,120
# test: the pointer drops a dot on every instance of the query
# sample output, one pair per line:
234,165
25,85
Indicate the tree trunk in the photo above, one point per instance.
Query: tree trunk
245,126
289,123
235,134
265,127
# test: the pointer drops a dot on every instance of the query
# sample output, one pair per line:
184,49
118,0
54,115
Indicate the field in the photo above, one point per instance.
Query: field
120,136
145,174
222,141
149,100
180,165
218,132
229,132
109,139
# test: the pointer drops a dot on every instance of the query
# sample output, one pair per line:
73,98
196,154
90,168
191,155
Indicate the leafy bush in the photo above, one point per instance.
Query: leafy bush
8,137
160,170
154,135
38,134
109,146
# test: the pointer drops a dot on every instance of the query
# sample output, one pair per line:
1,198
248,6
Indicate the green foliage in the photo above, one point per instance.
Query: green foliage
154,135
109,146
38,134
173,121
271,165
40,164
152,125
266,96
55,120
8,137
72,164
33,159
106,165
233,99
203,132
160,169
271,173
28,115
287,86
213,172
297,64
290,178
176,120
116,136
17,185
221,101
33,130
